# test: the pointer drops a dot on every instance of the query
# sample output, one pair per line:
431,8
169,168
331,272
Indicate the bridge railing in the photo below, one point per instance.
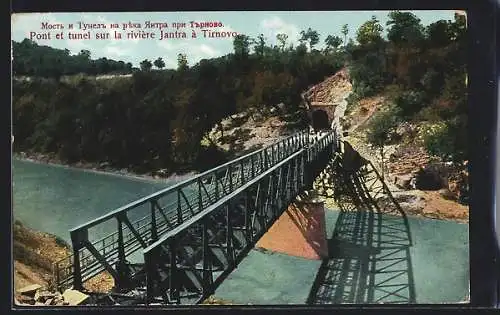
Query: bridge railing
187,263
320,142
207,247
143,221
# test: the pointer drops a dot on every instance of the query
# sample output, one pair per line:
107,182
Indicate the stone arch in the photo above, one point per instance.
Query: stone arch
320,120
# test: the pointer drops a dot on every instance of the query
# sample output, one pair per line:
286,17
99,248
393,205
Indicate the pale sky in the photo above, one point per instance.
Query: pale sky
250,23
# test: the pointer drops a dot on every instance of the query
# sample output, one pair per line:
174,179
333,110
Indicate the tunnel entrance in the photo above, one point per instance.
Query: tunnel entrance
320,120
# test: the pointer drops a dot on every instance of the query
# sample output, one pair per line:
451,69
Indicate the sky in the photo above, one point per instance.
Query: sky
250,23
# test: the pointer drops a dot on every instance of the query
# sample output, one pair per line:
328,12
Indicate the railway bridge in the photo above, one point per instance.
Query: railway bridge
190,236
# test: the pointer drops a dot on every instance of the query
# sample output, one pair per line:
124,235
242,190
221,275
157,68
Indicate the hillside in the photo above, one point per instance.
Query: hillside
406,161
155,120
423,183
408,111
34,255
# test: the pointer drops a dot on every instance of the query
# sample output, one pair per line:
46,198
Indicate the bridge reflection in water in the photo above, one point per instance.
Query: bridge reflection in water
369,248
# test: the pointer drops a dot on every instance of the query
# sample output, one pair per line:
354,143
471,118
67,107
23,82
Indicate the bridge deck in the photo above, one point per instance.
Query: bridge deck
144,221
294,280
373,257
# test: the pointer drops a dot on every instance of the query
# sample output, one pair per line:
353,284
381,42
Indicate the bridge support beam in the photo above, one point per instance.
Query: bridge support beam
300,231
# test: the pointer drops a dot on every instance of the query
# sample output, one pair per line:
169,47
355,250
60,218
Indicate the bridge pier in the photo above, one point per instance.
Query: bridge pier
300,231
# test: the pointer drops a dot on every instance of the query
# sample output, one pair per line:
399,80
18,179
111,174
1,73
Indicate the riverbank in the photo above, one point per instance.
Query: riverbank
102,168
34,254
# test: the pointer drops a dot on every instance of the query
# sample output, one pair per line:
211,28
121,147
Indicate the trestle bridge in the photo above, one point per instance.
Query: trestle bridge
191,235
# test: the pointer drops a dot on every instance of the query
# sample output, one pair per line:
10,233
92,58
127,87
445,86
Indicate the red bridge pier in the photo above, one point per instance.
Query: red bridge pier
300,231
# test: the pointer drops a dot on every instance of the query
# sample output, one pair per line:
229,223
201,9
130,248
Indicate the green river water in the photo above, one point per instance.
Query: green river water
54,199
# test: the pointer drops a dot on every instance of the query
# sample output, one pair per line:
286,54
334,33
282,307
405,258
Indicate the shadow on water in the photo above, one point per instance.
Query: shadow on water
369,250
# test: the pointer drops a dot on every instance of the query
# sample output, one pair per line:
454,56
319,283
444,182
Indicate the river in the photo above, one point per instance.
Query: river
54,199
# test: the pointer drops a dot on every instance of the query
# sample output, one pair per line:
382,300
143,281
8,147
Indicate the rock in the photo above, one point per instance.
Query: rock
74,297
405,129
24,299
104,164
408,198
29,290
431,213
49,301
403,181
39,304
432,177
413,183
408,202
352,160
42,296
163,172
447,194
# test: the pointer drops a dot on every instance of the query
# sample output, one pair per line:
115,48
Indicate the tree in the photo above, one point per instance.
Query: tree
146,65
301,49
458,27
405,28
182,63
150,121
85,54
241,45
332,43
369,32
281,39
310,36
260,44
159,63
345,31
380,130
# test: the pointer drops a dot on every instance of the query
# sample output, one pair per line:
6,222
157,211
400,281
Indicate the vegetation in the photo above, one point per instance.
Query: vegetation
157,119
381,130
425,69
30,59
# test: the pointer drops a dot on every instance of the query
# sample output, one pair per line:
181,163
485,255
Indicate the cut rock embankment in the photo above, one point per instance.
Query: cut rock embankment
34,255
403,164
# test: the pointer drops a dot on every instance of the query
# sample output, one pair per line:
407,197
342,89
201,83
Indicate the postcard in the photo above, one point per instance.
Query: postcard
240,158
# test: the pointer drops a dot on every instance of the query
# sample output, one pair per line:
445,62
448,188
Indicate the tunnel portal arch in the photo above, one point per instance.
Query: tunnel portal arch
320,120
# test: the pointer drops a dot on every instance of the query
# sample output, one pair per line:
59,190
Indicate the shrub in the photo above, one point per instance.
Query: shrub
432,81
430,114
446,139
364,90
352,101
410,103
382,126
437,142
